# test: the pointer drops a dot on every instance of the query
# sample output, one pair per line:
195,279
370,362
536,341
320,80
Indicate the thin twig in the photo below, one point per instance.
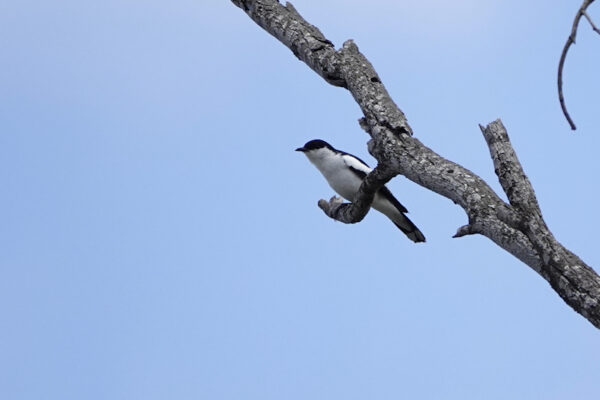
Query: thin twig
586,15
571,40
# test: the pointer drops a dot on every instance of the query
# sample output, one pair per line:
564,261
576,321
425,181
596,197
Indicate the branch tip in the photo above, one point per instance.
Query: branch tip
464,231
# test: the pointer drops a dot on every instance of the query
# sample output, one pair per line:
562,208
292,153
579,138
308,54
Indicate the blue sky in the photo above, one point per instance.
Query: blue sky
161,238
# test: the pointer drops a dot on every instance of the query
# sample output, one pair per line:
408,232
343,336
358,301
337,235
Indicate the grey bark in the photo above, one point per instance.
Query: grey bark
517,227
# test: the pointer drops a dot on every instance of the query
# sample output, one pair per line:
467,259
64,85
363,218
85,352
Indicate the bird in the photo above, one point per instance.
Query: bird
345,172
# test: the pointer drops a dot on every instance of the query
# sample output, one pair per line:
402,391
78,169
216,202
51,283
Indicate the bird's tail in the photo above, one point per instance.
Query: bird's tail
409,228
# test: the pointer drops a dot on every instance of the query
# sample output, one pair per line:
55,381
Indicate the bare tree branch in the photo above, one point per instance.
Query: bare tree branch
517,227
571,40
586,15
510,173
351,213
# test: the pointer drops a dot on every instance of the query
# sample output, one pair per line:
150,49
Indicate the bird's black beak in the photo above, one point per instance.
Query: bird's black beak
302,149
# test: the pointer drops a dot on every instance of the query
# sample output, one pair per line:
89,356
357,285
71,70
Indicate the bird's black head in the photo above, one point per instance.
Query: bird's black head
314,144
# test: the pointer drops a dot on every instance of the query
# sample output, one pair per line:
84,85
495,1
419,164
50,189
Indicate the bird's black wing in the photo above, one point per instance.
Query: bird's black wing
384,191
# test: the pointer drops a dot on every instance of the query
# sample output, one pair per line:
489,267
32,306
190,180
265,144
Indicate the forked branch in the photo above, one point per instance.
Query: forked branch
517,227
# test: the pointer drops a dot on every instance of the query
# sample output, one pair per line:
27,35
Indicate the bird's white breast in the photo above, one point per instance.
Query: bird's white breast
336,171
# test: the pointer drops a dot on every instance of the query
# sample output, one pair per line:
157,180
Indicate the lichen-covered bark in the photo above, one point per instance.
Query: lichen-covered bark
358,209
517,227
